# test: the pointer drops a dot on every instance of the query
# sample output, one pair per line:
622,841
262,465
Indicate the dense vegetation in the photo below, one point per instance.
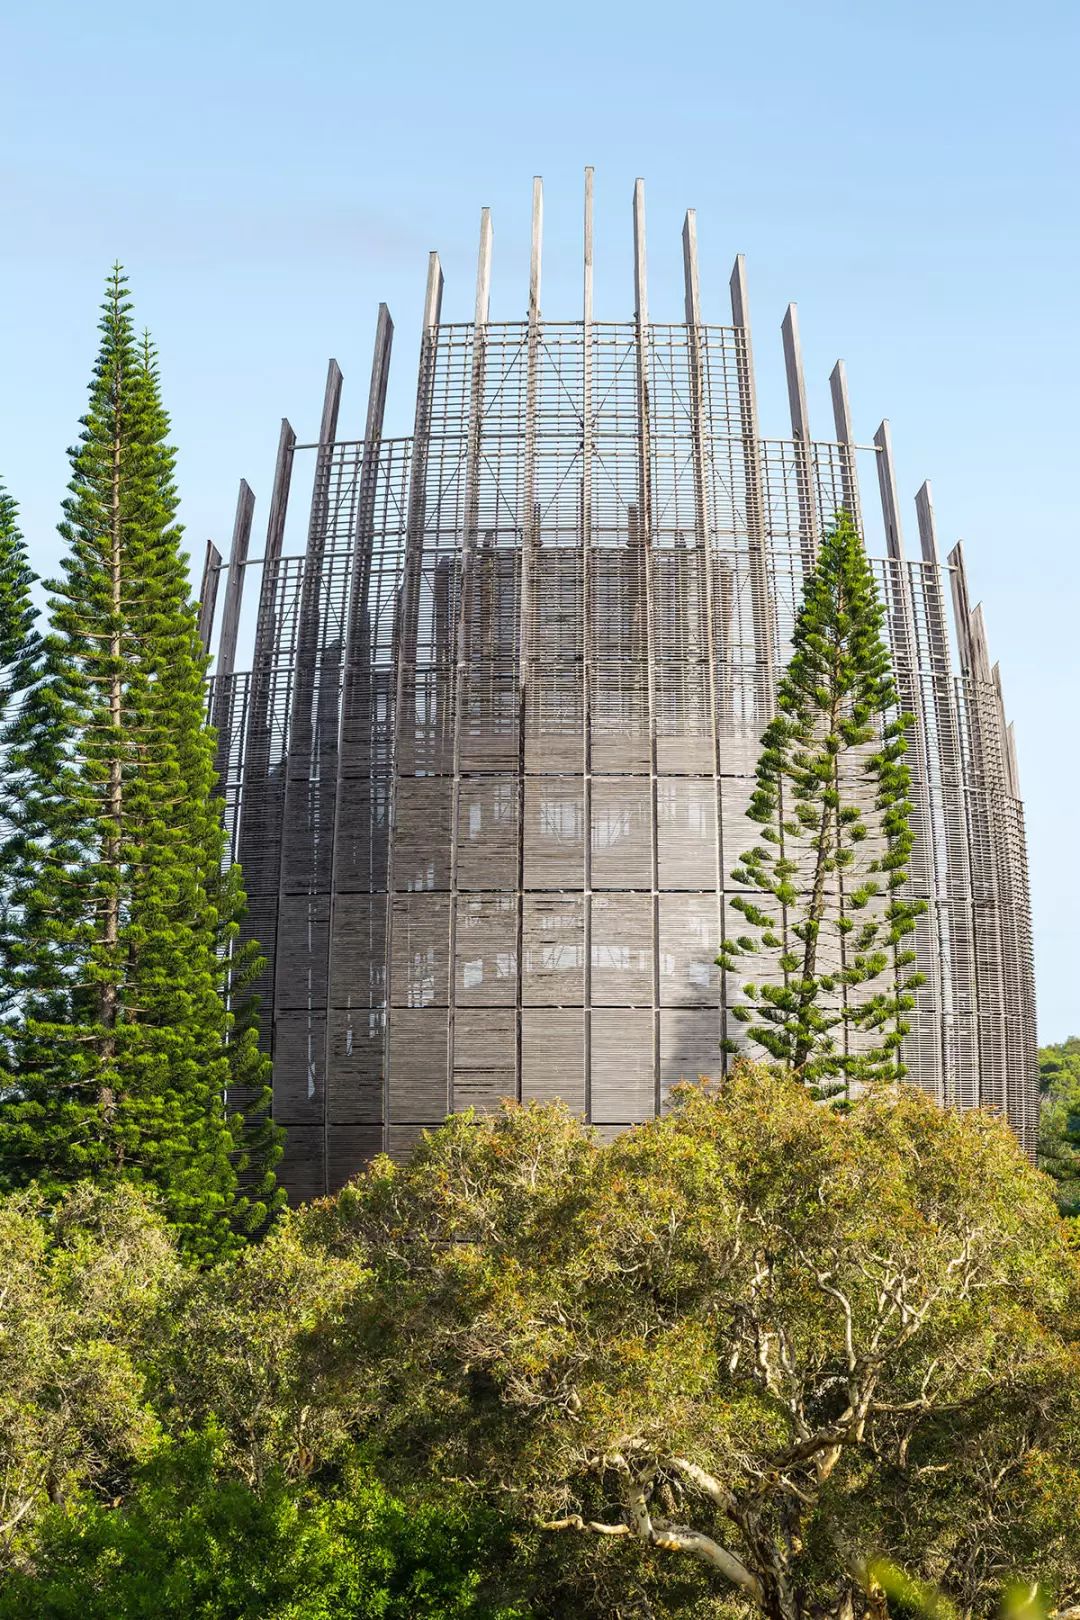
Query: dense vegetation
756,1357
1059,1120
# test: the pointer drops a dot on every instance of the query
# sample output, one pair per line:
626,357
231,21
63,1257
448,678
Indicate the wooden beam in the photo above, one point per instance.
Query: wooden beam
740,317
761,600
380,376
234,584
433,293
537,246
645,522
587,437
483,269
279,497
641,276
924,508
800,432
1014,767
980,647
958,587
331,404
845,437
208,594
841,404
796,381
691,275
587,287
890,505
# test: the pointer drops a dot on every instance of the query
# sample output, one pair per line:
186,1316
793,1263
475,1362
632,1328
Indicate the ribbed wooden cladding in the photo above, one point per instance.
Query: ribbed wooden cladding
489,772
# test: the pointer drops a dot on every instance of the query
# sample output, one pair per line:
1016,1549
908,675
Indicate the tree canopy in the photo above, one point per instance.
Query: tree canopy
795,1346
1059,1120
756,1357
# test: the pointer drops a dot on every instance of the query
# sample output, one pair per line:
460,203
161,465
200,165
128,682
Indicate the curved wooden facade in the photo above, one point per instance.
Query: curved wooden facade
488,771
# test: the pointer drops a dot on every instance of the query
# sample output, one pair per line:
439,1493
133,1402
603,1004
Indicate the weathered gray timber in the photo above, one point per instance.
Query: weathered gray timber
208,593
489,772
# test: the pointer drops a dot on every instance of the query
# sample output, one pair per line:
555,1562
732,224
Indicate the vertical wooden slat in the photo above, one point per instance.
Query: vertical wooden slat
587,446
757,538
645,529
704,536
406,635
464,603
208,590
355,706
800,433
234,584
302,948
845,438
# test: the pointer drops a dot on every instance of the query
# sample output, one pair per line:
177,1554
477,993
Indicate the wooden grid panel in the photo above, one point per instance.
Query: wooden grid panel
489,772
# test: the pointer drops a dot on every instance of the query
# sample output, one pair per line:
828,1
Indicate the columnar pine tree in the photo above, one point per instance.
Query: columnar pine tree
18,642
19,649
827,913
120,1054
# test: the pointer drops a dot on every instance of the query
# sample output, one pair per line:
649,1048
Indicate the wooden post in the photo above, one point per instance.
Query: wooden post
465,606
208,594
705,535
234,584
756,520
800,433
279,497
645,524
587,675
356,694
924,508
961,607
845,438
890,505
406,625
530,545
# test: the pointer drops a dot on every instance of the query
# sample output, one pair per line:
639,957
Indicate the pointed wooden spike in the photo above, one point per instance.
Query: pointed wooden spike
924,507
537,247
483,269
380,375
890,504
588,248
691,277
796,382
841,404
433,293
641,279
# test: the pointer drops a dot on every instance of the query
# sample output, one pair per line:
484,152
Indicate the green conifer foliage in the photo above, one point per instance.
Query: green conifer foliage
19,651
827,915
121,1059
18,642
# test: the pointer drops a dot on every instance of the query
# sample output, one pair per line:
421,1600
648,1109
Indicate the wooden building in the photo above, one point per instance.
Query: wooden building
488,771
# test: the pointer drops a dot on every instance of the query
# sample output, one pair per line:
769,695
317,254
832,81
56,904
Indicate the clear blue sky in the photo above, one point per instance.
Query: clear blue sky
267,173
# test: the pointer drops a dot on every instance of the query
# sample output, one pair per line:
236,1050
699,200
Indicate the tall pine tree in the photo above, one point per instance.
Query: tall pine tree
827,917
19,650
122,1052
18,641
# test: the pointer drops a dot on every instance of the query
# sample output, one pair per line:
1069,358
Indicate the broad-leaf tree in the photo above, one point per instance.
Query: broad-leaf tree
801,1349
1059,1120
120,1058
824,903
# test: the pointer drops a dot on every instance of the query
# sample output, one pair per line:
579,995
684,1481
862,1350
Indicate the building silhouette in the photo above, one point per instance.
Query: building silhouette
488,772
